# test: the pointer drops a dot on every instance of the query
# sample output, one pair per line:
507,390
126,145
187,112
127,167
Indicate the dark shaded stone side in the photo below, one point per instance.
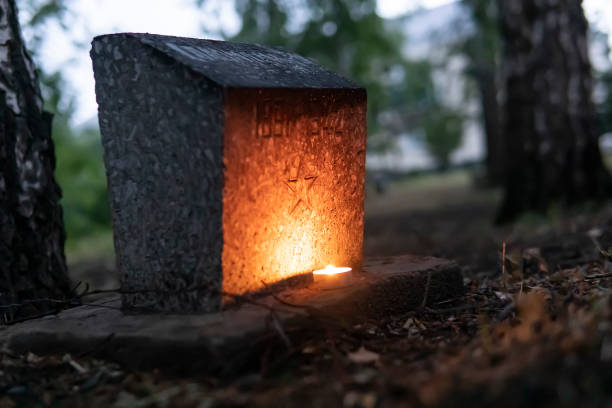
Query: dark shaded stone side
162,132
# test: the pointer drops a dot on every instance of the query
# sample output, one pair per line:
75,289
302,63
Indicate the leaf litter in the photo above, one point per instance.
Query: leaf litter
540,334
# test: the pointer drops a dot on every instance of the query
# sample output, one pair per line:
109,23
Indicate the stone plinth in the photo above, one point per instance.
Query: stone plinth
230,167
231,340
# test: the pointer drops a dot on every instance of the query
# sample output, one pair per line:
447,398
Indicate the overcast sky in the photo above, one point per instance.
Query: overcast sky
69,50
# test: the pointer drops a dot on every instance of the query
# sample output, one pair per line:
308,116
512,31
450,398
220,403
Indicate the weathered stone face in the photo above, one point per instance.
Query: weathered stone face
225,183
293,194
162,133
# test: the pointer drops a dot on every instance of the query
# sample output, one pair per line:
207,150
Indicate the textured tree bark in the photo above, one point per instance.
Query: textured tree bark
487,86
32,263
482,48
552,151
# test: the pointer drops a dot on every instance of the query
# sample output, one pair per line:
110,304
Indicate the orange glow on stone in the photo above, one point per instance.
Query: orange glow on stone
294,169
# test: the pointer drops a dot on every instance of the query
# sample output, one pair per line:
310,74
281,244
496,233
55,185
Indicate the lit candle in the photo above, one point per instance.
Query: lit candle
332,276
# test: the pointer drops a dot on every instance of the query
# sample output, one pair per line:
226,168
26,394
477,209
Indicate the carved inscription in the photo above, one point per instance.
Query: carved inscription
273,119
300,180
328,125
277,118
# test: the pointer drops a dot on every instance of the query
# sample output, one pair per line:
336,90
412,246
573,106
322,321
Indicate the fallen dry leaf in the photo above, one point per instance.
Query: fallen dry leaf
363,356
356,399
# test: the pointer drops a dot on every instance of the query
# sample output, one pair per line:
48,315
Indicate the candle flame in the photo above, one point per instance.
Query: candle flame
332,270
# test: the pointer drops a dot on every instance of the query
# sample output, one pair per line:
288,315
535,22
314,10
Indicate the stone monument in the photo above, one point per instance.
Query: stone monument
230,167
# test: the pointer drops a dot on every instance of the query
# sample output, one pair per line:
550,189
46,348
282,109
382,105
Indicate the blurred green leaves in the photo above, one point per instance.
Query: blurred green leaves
443,131
79,166
80,173
344,35
39,13
349,37
604,108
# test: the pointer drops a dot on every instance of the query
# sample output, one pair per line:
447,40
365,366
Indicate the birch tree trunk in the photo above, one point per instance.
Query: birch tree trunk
552,150
32,263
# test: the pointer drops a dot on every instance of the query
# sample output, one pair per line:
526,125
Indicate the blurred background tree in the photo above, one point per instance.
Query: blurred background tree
80,169
32,260
482,47
347,36
551,139
443,130
604,108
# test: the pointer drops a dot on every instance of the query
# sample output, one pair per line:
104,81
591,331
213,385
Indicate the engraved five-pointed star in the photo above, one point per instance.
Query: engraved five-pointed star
301,186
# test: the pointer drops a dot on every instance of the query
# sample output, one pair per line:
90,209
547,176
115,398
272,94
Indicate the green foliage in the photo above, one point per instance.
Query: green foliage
605,107
39,13
80,173
483,46
414,96
79,169
79,166
344,35
443,130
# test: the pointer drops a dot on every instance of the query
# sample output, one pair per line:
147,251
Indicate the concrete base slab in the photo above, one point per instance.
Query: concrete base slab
230,341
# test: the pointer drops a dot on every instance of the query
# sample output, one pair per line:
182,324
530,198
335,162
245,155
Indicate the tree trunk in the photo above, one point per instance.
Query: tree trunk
482,48
32,263
487,86
552,150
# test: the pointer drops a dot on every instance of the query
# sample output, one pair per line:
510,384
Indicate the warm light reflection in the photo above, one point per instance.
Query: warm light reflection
332,270
332,277
293,186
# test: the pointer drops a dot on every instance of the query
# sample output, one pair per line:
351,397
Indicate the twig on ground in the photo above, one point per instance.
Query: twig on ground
504,277
460,308
276,324
598,276
77,300
295,305
32,317
426,294
99,305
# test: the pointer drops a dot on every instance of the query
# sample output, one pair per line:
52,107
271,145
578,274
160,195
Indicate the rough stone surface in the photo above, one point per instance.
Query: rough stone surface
230,166
231,340
239,65
294,172
162,132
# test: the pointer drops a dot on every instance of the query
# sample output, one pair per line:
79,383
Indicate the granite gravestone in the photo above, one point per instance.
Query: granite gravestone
230,166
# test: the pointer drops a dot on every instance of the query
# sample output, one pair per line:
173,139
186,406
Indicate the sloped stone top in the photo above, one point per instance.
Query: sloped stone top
239,65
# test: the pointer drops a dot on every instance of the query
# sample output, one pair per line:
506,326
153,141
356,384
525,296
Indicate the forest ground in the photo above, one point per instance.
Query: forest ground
536,332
